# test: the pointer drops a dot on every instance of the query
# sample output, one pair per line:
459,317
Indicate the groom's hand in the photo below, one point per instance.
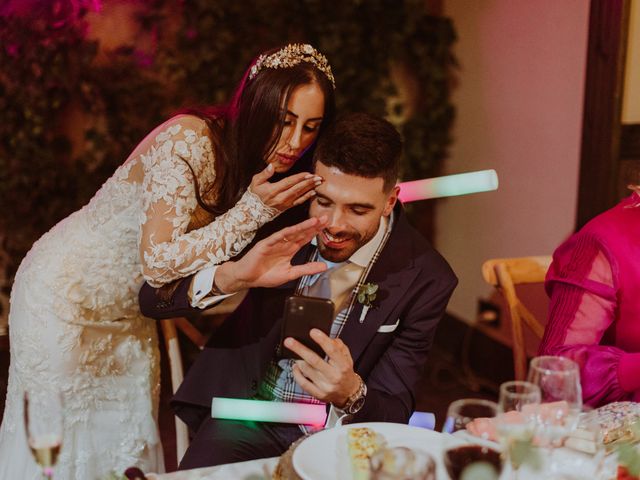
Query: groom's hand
268,263
332,381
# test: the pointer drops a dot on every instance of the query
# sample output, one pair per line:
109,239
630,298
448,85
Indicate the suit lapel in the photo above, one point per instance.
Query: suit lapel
393,270
357,335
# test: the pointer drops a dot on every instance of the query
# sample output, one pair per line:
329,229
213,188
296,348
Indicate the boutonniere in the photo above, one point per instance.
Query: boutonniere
365,296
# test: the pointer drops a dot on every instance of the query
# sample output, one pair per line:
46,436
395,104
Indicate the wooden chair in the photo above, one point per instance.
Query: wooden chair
172,345
4,333
170,329
505,274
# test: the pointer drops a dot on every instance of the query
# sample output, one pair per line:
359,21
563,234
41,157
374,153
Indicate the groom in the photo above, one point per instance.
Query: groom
374,356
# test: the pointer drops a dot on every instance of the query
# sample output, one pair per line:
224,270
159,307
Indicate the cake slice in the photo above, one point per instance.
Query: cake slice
363,442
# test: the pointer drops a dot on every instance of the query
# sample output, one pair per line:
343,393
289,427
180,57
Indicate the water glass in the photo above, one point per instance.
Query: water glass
561,396
516,424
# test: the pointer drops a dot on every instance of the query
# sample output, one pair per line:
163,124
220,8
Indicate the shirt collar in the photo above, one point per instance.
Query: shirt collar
365,253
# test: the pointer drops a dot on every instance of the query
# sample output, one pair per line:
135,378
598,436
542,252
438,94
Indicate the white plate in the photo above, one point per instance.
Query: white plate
324,456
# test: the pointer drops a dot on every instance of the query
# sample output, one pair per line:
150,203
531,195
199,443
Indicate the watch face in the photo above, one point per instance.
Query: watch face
356,405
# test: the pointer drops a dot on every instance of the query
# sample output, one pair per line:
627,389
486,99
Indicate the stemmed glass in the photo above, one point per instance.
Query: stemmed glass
43,424
476,417
561,396
515,424
471,414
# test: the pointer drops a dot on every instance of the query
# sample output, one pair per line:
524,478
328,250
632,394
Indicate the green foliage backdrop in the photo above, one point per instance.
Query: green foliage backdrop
50,70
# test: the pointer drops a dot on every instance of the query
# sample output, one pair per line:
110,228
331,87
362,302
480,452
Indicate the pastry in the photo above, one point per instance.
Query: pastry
363,442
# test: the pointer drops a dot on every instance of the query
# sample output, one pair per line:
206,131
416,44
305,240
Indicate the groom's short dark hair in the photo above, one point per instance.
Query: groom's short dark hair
363,145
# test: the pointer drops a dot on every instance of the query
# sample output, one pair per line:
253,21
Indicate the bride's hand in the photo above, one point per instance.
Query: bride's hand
290,191
268,263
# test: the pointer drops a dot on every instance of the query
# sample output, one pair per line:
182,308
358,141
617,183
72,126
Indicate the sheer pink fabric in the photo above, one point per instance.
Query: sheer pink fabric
594,311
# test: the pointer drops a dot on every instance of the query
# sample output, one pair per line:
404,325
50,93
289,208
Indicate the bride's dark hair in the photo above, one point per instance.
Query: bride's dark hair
246,130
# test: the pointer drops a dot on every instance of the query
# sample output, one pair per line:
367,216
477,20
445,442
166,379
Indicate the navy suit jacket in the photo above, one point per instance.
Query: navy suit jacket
415,284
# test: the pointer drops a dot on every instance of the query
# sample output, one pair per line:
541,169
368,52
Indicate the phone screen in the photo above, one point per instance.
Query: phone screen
301,314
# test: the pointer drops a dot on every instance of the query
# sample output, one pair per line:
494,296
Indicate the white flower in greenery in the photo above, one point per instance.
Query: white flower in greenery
367,294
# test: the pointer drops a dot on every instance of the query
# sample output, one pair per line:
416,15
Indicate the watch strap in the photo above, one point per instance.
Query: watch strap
355,401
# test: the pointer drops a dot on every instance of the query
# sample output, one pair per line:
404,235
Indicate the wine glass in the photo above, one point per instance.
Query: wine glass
561,396
43,424
477,417
471,414
515,423
462,462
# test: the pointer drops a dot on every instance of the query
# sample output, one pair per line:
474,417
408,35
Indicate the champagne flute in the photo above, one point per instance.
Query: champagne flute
43,424
516,420
561,396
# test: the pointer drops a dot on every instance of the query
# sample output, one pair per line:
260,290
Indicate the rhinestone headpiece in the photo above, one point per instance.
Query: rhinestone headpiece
292,55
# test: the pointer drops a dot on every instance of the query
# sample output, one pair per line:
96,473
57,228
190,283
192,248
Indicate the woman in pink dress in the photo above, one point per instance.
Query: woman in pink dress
594,311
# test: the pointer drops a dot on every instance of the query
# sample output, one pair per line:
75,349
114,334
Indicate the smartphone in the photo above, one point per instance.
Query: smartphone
301,314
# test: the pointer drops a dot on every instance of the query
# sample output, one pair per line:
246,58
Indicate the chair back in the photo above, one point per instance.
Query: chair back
505,274
170,328
174,355
4,338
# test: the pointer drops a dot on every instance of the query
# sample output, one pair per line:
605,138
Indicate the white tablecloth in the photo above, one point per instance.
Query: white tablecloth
251,470
576,466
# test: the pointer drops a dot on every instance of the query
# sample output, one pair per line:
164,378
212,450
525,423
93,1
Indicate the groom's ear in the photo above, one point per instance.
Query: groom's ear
391,201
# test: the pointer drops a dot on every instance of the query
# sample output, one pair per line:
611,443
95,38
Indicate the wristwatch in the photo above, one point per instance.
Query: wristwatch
356,401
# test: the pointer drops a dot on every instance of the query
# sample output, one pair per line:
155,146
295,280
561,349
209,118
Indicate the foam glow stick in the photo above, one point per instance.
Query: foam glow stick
449,185
266,411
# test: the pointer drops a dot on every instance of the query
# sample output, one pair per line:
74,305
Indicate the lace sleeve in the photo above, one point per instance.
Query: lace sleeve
167,251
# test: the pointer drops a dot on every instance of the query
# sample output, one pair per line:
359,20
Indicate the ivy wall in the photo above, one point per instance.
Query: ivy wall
73,107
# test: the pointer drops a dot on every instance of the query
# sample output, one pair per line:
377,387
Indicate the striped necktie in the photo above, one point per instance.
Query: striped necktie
336,283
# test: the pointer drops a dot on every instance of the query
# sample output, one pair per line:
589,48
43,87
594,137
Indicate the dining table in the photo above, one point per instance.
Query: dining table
251,470
323,463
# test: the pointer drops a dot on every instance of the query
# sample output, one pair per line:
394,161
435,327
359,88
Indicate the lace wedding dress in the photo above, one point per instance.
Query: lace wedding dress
75,325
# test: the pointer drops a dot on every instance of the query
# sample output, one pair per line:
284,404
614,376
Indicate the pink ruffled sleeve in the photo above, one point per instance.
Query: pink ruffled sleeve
582,284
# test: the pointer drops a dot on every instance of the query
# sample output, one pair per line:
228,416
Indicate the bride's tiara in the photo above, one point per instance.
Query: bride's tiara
292,55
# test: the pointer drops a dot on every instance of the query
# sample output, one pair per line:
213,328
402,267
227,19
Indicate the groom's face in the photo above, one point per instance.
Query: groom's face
353,205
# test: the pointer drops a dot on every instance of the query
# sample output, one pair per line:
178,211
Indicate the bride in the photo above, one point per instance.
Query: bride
187,197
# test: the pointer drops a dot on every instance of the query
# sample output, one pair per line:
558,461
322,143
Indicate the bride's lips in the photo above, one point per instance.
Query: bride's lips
286,159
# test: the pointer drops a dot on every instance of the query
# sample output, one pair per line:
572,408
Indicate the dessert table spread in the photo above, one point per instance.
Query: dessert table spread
324,456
